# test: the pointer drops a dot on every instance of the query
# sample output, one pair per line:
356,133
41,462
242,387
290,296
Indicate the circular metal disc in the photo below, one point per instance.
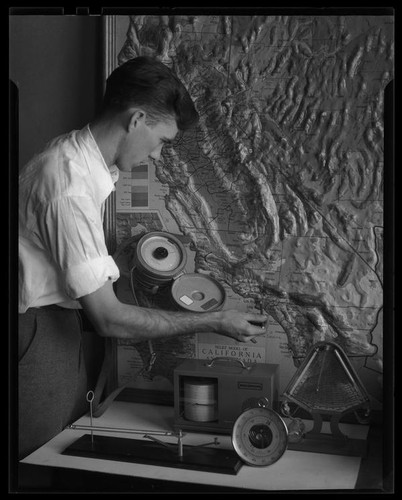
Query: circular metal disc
259,436
173,255
198,292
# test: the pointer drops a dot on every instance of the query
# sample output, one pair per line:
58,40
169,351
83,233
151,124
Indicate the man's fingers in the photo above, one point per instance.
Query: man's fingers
257,319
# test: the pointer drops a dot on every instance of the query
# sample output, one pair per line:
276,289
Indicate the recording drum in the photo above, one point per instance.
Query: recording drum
158,258
158,264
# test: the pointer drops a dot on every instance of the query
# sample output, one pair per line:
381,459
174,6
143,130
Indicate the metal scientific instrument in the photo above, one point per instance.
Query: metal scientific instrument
327,386
209,395
157,268
260,436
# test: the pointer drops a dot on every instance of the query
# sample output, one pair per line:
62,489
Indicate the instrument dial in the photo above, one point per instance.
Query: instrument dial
259,436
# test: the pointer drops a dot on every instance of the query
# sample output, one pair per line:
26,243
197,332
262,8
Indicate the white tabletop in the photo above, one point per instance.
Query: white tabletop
295,470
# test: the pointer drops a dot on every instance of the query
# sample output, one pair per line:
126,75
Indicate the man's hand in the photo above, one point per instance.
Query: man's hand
242,326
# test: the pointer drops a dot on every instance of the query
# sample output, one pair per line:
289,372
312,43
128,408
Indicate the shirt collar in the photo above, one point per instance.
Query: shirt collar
103,176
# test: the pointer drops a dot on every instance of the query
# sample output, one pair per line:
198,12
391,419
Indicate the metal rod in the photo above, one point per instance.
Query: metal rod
167,445
215,442
321,370
180,444
300,378
90,398
345,368
124,431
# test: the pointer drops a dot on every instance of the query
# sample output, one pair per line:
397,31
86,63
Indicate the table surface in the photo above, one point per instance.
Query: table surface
295,470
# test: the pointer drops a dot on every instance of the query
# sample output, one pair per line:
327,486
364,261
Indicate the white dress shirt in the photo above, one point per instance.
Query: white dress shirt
62,250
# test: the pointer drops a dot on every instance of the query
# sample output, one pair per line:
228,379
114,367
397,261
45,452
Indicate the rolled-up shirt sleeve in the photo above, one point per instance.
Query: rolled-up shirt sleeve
71,231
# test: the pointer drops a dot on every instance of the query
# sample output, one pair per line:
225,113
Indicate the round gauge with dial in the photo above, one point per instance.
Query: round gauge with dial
259,436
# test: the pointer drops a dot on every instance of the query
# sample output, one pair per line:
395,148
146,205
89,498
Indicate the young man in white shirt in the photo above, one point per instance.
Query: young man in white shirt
64,262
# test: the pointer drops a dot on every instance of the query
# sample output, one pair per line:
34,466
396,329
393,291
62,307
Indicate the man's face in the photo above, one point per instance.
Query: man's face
143,142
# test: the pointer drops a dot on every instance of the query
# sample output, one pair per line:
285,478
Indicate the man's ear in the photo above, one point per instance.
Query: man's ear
136,118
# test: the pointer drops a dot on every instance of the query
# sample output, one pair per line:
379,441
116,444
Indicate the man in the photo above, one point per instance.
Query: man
64,263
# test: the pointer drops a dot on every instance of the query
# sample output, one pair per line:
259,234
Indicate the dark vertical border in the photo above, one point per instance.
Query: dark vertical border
13,168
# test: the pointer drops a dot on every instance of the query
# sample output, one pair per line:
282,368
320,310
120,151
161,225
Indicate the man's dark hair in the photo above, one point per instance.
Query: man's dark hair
150,84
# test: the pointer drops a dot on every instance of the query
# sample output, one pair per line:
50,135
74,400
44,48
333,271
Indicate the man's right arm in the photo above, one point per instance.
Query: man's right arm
113,318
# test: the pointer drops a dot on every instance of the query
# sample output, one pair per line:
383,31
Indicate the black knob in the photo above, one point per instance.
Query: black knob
160,253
